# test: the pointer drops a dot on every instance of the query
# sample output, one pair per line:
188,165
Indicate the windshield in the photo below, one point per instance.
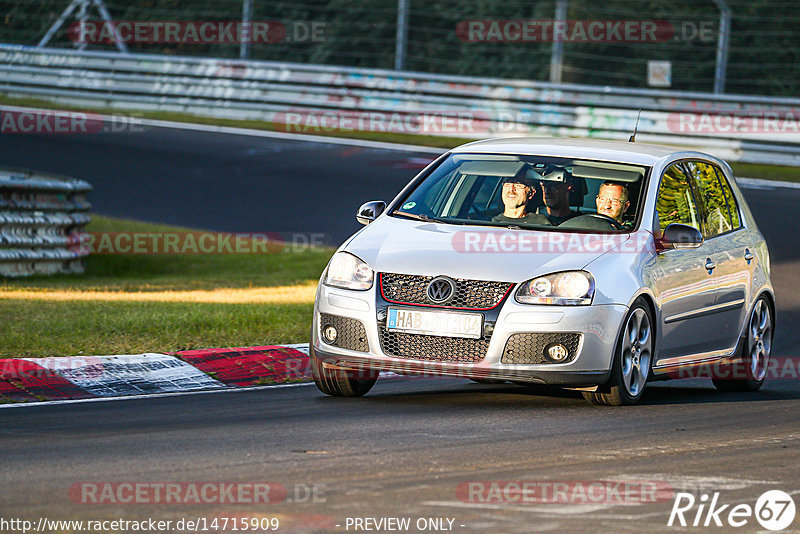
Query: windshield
534,192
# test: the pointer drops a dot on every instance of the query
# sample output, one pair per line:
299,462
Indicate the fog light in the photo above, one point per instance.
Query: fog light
329,333
557,352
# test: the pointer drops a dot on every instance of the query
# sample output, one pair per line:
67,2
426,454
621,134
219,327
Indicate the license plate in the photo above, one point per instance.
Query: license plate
448,324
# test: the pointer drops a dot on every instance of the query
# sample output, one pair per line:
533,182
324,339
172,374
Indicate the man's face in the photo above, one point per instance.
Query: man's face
556,194
610,203
516,194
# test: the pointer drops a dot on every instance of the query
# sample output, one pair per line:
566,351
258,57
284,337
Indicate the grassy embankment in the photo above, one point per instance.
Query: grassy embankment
132,303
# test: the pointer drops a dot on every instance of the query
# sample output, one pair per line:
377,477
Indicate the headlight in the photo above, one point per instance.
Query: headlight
348,272
571,288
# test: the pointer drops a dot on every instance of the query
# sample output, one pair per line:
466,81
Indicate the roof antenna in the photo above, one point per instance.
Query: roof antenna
632,138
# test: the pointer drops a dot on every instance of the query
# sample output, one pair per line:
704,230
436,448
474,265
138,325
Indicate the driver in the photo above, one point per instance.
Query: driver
517,192
612,200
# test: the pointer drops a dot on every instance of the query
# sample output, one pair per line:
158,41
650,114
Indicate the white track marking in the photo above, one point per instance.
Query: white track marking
769,185
129,374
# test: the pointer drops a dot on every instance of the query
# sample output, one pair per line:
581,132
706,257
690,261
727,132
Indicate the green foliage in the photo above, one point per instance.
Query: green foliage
675,203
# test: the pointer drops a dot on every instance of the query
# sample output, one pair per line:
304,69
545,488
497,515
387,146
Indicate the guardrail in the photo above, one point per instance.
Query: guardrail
267,91
42,223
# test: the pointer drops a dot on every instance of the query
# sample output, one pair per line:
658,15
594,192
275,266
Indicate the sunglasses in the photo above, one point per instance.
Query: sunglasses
516,184
553,185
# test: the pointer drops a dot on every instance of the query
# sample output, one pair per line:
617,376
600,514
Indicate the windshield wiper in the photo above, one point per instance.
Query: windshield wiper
416,216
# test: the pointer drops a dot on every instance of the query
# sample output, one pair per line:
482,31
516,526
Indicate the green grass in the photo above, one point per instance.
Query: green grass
48,328
748,170
45,327
766,172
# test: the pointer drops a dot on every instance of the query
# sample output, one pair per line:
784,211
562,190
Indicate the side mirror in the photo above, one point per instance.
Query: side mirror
370,211
680,236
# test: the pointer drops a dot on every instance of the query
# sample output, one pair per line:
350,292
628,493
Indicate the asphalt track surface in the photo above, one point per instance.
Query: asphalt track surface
221,182
406,448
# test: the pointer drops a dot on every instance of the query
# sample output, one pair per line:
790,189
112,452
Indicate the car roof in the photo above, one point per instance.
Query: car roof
592,149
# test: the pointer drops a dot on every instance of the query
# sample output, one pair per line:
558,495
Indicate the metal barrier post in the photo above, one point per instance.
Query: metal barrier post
402,35
557,57
244,48
723,42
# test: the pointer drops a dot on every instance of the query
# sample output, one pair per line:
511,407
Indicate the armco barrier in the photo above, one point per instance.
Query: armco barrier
266,91
42,221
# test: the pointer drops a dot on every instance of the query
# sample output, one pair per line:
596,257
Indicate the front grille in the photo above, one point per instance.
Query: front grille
529,348
350,332
432,348
474,294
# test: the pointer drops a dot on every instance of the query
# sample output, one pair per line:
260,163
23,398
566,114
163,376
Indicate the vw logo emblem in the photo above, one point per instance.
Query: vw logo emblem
441,290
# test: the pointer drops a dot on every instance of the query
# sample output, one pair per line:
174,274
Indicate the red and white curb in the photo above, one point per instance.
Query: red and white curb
88,377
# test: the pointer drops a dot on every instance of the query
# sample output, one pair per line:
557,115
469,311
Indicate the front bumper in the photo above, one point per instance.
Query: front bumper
598,326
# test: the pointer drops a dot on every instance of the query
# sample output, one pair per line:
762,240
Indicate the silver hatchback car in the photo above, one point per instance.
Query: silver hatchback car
581,264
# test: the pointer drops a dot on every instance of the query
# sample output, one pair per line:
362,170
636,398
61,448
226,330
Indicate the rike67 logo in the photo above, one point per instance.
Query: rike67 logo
774,510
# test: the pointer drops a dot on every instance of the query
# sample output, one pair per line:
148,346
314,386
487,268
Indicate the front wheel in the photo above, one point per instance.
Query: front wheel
632,360
750,369
338,382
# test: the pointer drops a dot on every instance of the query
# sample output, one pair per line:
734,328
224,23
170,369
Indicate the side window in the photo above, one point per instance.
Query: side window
732,206
435,196
675,203
717,217
486,193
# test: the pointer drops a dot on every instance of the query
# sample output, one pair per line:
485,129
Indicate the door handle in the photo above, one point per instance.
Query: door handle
748,255
710,265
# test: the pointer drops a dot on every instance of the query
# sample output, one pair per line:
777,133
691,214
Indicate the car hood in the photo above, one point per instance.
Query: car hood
395,245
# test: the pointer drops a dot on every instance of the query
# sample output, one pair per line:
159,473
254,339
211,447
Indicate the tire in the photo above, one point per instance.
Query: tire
340,383
633,357
753,354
